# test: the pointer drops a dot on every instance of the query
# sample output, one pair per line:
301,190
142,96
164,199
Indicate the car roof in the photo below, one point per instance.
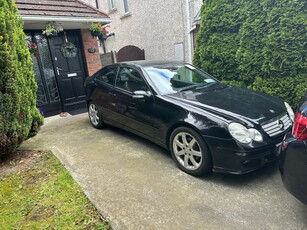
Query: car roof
145,63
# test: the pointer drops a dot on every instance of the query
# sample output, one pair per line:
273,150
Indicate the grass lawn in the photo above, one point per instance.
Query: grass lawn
36,192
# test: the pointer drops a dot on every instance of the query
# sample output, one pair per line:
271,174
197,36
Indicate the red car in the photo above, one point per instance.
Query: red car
293,156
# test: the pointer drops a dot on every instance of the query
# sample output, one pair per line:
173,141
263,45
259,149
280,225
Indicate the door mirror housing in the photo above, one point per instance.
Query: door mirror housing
141,95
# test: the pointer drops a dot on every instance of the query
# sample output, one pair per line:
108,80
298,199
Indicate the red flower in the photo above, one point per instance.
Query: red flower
38,54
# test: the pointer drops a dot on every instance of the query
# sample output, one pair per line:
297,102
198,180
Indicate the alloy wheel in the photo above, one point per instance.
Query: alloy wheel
187,151
94,116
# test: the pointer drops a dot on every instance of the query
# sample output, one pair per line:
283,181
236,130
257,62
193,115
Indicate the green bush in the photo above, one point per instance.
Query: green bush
291,88
258,44
19,117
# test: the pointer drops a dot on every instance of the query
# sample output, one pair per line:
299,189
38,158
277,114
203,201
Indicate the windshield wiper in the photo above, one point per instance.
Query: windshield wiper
187,88
206,85
197,86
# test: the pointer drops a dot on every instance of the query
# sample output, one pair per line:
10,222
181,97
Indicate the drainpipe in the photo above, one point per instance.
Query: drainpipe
97,6
188,31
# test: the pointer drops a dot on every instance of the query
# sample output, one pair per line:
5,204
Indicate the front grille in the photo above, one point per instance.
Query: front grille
277,125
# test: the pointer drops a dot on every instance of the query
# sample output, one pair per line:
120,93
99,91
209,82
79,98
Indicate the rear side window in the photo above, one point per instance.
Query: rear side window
107,75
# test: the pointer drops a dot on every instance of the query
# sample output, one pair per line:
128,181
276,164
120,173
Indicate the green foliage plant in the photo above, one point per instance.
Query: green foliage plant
259,44
53,29
98,28
19,117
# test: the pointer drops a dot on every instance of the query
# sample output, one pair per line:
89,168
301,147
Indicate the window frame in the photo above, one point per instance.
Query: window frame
125,7
112,5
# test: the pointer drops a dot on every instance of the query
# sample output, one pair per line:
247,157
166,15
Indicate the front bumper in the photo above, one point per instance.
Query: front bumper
229,157
293,167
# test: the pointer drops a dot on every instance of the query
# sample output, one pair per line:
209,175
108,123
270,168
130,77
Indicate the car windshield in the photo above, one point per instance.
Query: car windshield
170,79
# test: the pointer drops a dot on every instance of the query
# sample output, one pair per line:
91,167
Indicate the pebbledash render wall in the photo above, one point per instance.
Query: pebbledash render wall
90,2
93,62
156,26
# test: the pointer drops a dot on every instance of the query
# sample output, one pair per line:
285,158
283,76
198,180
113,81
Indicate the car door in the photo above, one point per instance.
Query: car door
104,83
133,114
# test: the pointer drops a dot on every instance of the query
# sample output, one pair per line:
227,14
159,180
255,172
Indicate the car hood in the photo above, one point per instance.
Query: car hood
233,102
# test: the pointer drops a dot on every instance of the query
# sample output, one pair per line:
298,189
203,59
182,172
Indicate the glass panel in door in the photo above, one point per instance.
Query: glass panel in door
51,85
41,93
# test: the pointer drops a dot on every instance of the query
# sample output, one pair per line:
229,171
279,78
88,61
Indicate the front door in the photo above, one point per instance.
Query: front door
69,69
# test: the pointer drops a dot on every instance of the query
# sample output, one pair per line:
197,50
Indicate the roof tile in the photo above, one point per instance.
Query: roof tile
69,8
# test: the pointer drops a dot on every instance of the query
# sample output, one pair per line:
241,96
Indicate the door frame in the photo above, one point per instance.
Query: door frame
77,33
52,108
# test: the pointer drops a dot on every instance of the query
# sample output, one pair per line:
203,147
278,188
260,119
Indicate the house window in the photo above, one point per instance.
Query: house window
179,52
125,7
111,5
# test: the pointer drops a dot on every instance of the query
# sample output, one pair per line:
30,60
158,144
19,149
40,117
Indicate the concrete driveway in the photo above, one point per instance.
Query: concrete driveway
136,185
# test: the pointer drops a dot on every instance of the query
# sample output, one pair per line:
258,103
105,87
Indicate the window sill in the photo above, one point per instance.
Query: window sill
125,15
112,10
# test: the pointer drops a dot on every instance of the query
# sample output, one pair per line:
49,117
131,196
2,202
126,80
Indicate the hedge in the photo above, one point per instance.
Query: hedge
260,44
19,117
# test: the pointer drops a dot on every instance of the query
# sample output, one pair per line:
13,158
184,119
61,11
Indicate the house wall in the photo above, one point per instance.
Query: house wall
90,2
93,62
155,26
194,8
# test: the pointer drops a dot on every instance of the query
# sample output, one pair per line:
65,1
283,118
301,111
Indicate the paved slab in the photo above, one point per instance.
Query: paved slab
136,185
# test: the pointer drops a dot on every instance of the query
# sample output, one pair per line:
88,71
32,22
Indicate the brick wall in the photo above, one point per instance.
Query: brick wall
93,62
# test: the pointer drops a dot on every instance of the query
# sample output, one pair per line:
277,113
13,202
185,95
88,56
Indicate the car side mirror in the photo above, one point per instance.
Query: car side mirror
141,95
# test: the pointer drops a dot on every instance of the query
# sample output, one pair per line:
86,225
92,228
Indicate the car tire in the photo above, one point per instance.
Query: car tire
95,116
190,152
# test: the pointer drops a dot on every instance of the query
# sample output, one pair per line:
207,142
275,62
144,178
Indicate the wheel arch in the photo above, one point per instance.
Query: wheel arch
177,125
88,102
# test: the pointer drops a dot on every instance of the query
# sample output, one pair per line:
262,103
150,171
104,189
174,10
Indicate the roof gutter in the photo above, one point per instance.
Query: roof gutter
64,19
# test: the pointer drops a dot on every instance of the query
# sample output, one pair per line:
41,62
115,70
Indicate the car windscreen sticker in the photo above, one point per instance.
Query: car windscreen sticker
209,80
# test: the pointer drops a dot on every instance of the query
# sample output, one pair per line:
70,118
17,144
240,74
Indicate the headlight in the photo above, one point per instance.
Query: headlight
290,111
244,135
255,135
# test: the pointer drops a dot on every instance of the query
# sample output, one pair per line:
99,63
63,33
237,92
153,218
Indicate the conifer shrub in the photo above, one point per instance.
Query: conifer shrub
259,44
19,117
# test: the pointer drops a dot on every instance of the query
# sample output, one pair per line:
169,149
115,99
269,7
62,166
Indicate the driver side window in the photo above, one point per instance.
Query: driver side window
107,75
130,80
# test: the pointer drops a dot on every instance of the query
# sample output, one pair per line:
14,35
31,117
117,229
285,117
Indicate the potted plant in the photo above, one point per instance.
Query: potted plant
98,30
52,29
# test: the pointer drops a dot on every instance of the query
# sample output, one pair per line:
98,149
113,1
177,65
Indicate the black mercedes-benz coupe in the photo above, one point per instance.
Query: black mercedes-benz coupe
293,157
205,124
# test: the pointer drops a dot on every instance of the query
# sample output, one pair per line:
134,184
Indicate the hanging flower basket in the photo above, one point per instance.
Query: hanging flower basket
95,34
33,49
97,29
69,50
52,29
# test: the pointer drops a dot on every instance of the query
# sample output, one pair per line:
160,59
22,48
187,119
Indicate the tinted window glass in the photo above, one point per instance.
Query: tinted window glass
107,75
130,80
